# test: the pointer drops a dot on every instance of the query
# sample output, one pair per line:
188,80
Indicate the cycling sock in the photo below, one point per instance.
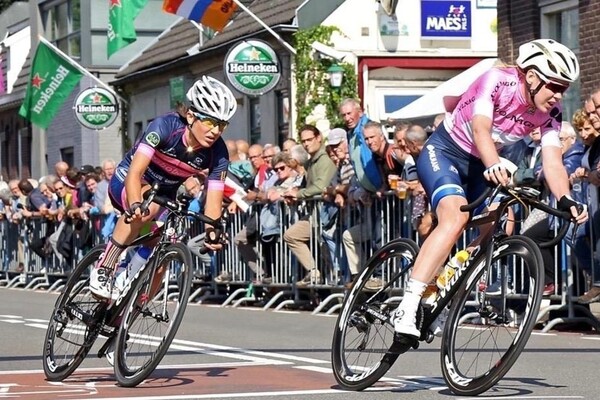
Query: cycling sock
111,254
412,294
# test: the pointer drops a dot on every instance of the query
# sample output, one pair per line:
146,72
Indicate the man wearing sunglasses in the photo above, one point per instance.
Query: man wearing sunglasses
501,107
173,147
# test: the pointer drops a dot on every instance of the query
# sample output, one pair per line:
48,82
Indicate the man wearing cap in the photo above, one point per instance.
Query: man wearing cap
336,193
337,144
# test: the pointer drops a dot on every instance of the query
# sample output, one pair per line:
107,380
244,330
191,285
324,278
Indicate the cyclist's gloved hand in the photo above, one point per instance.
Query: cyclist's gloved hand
497,174
214,239
136,210
577,209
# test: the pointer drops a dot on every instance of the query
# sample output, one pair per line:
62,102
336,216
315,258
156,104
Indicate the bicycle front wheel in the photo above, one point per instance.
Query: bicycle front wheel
363,336
153,315
75,322
492,316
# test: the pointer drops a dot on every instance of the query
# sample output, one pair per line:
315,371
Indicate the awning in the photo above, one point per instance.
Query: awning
446,94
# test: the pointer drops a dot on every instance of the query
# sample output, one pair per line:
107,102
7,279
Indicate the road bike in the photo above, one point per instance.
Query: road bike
142,321
491,303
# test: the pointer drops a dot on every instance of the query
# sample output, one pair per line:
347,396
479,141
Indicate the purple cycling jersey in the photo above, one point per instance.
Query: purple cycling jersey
497,95
172,159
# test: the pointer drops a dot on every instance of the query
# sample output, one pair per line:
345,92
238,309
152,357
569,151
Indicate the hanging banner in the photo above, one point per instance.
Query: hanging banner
96,108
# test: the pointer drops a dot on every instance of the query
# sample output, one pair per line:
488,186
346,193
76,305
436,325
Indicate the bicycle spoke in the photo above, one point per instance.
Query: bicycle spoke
490,323
75,323
153,315
363,338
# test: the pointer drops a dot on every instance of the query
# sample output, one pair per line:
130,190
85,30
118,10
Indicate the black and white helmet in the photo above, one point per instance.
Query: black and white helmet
211,97
554,61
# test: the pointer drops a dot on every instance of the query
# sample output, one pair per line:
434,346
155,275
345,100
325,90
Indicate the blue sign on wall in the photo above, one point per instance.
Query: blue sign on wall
442,19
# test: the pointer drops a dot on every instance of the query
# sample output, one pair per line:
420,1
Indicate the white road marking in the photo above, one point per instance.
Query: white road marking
313,368
291,393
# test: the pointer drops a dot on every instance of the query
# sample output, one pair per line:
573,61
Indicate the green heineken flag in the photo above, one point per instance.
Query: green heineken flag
121,31
51,80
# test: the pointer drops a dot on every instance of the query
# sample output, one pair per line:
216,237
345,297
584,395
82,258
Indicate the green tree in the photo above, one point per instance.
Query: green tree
312,79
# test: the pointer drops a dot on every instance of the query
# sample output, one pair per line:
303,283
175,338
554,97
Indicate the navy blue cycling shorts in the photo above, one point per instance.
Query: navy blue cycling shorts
445,169
117,194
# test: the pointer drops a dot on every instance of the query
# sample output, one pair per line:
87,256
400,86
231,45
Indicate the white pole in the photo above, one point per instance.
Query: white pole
80,68
267,27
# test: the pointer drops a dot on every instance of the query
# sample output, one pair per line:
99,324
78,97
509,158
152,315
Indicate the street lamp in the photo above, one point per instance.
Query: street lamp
336,74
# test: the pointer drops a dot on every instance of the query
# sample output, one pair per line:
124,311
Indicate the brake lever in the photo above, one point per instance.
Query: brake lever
574,230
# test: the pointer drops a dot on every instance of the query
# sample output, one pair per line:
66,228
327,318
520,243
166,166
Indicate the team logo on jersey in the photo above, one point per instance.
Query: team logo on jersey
153,139
198,160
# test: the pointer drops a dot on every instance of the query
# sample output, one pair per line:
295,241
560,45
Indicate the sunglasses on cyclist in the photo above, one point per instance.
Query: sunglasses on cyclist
554,87
210,122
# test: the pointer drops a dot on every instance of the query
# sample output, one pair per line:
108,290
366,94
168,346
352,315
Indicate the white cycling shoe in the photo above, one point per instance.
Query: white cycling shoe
405,323
100,283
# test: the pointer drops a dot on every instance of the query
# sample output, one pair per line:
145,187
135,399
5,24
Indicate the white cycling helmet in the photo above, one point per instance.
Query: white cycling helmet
552,60
211,97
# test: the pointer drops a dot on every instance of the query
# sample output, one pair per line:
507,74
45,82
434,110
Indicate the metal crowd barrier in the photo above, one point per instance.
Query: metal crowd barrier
383,220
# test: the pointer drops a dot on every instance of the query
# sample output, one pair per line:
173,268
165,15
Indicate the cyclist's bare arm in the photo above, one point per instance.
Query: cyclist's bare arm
482,136
213,209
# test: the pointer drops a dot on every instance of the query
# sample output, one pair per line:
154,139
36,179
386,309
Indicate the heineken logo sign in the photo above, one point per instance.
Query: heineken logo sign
252,67
46,92
96,108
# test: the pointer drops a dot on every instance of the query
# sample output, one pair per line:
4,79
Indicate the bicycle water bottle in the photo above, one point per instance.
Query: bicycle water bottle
126,270
430,293
455,263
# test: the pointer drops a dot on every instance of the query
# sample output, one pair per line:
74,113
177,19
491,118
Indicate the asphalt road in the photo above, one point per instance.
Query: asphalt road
222,353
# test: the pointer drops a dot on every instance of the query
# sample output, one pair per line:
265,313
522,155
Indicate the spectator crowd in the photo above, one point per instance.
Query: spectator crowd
320,199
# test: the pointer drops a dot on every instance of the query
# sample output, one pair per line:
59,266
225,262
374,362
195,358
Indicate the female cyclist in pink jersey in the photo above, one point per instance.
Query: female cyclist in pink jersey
501,107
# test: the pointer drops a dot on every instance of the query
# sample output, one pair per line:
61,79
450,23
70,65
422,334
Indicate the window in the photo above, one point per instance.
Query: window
67,155
390,100
283,114
560,21
62,25
254,120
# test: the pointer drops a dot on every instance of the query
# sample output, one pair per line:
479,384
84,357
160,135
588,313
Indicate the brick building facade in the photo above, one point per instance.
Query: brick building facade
521,21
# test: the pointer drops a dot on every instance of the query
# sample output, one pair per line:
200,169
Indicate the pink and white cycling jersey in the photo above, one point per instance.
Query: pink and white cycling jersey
497,95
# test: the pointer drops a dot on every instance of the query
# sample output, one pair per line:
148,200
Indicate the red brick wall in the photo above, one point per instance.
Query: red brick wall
589,46
518,22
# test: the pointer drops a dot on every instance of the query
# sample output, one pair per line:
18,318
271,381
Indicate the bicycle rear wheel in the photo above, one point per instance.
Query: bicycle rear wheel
75,322
363,336
153,315
491,319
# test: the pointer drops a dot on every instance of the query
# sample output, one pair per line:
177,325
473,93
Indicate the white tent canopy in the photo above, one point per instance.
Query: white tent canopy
448,92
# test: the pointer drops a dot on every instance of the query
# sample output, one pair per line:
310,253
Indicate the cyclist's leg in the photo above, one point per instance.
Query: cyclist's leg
123,234
432,255
442,170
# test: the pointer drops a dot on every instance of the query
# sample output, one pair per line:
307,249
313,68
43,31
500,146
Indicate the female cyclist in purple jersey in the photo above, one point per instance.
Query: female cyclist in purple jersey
173,148
499,108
